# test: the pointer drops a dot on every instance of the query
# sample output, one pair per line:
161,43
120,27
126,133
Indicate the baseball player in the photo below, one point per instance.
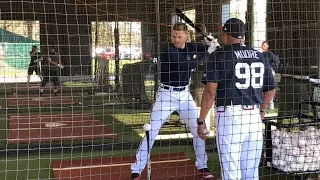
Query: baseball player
270,56
273,61
176,63
51,71
239,80
35,63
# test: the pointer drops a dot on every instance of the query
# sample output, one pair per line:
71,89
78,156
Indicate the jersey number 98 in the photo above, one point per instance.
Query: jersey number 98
250,75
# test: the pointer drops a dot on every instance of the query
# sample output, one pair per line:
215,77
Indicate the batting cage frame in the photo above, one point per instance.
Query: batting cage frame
104,89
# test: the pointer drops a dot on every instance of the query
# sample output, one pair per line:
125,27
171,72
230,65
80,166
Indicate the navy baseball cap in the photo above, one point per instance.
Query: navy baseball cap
234,27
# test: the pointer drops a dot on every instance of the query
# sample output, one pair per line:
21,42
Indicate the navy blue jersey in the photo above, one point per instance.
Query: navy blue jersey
273,59
34,57
55,57
242,74
176,63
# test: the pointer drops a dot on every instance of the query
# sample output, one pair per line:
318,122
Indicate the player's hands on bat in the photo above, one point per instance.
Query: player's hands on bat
211,42
37,60
208,38
202,131
60,66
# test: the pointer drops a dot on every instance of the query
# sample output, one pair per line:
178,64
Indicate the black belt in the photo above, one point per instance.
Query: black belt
174,88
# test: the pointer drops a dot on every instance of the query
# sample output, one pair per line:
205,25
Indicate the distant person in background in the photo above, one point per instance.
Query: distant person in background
51,71
270,56
35,63
273,61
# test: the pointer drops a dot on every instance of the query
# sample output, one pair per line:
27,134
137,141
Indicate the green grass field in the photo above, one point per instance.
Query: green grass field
34,167
112,65
9,71
124,121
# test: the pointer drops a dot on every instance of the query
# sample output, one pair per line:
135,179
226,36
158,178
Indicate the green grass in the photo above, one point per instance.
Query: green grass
13,72
16,72
77,84
112,65
136,121
3,130
125,122
23,167
78,90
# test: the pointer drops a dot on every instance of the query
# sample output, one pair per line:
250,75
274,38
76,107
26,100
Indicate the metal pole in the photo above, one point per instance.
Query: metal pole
156,76
158,26
117,42
96,44
116,47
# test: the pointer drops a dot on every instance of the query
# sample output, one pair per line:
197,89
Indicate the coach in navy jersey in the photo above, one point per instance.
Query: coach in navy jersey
239,80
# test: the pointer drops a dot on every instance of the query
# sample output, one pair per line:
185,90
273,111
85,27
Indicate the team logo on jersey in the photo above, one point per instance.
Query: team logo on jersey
194,56
188,58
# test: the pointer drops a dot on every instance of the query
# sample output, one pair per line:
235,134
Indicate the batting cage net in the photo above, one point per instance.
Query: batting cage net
115,89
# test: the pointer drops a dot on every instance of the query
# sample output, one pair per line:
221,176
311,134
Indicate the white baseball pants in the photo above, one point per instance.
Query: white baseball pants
167,102
240,140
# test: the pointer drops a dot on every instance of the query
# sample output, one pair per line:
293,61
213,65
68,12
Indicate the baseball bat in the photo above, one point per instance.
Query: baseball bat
149,160
188,21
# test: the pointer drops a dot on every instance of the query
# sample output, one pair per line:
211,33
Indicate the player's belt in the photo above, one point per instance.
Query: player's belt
171,88
243,107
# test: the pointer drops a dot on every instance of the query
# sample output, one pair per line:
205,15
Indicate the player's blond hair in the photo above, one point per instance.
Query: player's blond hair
180,27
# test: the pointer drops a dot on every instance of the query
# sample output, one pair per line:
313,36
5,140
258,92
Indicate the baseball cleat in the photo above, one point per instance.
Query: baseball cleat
205,173
135,176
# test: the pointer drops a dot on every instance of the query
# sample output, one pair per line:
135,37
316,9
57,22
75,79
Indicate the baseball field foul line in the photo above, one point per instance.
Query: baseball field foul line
62,137
52,115
82,122
113,165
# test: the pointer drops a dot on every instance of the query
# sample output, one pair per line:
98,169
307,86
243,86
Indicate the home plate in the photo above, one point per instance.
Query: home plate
54,124
51,127
36,99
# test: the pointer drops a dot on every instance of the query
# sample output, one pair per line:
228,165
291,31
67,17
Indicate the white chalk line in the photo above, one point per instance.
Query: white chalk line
61,137
44,122
114,165
52,115
60,127
44,103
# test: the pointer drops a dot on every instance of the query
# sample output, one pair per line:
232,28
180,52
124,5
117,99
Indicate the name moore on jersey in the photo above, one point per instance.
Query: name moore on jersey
248,71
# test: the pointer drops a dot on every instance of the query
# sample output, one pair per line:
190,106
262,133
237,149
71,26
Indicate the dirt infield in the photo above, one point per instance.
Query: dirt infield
24,100
60,127
33,86
175,166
